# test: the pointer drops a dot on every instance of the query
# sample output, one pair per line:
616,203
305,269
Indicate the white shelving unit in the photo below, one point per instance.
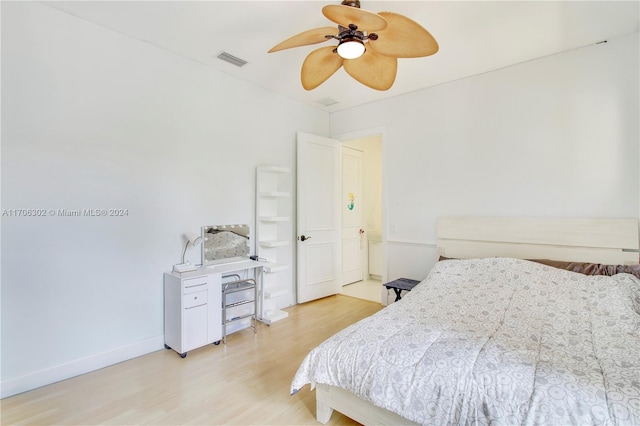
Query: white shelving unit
273,240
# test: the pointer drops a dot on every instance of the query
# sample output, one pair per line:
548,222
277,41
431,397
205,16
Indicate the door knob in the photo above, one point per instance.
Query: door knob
303,238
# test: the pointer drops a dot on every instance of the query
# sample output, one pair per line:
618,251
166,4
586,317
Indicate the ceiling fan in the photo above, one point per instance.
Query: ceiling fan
368,45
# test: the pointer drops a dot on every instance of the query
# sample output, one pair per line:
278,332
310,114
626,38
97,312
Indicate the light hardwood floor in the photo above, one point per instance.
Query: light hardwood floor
245,382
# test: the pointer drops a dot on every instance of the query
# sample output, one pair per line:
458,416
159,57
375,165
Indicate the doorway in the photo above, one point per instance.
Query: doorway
363,239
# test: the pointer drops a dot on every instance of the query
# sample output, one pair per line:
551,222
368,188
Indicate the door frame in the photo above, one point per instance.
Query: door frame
347,151
376,131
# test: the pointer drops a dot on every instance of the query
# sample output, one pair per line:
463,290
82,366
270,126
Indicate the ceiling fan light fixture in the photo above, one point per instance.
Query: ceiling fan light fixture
351,48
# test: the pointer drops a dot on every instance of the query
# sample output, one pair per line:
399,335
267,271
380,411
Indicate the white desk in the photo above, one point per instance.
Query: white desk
193,304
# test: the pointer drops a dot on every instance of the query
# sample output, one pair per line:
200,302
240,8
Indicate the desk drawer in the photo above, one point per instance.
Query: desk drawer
192,285
194,299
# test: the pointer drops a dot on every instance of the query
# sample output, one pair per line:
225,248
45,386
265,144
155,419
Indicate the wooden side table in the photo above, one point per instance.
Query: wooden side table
401,284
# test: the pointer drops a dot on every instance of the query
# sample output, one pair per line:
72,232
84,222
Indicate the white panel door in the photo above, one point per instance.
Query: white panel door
351,210
318,248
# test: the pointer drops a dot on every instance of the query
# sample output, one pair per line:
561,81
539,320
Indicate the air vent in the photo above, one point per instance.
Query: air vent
327,102
232,59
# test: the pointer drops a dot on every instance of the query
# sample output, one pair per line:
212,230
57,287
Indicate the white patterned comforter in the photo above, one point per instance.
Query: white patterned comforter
500,341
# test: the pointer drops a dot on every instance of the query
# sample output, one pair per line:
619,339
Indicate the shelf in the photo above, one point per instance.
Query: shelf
274,243
274,219
276,268
273,316
226,288
244,302
275,292
239,317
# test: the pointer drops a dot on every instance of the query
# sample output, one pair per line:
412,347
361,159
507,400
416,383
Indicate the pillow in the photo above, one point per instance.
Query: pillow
585,267
592,268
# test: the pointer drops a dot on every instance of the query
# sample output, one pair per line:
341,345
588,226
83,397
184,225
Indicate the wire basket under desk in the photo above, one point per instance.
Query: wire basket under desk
238,303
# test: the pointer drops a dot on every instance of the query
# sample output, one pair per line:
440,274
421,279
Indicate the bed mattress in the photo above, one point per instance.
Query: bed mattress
501,341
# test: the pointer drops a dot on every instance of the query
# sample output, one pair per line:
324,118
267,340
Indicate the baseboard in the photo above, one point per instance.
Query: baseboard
81,366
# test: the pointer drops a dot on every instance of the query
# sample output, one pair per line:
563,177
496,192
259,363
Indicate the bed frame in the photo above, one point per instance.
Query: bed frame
606,241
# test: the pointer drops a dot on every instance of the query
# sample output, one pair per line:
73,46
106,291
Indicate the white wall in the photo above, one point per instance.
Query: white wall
92,119
557,136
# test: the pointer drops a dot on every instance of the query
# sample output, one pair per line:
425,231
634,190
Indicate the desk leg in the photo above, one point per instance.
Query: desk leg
258,275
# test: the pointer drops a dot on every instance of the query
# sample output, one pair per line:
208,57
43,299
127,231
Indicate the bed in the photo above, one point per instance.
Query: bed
491,338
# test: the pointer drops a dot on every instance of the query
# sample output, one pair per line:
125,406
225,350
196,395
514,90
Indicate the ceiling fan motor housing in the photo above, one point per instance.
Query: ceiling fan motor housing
352,33
352,3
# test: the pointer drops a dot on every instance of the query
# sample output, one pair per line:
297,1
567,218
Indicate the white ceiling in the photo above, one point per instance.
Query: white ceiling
474,37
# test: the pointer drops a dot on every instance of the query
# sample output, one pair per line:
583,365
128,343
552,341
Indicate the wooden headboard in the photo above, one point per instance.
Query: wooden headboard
607,241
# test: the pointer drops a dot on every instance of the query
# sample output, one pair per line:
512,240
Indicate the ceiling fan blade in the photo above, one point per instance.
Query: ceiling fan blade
318,66
403,38
345,15
373,70
314,36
